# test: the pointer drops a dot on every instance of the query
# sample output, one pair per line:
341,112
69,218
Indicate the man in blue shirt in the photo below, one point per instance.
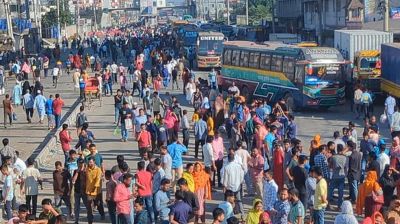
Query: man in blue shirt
270,138
175,150
200,134
162,200
292,128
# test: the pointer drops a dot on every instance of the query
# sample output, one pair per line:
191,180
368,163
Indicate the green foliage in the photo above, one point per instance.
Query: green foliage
258,10
50,18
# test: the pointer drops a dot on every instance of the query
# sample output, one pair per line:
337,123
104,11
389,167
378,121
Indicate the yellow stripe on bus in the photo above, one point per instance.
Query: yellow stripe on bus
390,87
279,75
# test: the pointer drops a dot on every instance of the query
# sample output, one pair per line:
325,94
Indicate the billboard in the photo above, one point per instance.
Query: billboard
395,13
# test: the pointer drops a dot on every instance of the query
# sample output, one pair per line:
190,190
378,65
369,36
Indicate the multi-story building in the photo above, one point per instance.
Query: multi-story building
290,15
211,9
322,17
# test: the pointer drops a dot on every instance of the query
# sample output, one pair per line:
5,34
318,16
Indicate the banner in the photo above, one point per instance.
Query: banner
395,13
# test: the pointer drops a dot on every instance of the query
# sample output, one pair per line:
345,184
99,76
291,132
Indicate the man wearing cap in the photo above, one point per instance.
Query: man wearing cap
40,105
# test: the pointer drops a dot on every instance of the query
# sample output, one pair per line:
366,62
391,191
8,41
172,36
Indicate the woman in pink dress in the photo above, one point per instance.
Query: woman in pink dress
157,83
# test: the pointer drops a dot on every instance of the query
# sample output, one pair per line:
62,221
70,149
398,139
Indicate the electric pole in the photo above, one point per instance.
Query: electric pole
273,16
227,12
386,23
94,14
247,12
77,17
10,31
58,22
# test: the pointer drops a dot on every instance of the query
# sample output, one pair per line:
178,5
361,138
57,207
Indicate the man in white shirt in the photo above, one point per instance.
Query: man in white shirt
244,156
233,178
395,123
390,104
114,71
19,163
383,159
208,156
357,100
56,72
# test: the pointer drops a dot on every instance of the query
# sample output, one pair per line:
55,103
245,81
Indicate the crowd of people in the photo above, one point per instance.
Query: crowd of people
248,149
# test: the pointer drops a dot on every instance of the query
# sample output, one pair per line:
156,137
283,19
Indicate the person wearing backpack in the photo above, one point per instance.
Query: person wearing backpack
81,119
357,100
366,101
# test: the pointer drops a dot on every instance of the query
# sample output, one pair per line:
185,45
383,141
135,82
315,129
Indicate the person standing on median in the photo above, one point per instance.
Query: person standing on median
58,103
65,139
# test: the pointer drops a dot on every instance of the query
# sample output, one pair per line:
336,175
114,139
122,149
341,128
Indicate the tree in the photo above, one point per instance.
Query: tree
50,18
259,10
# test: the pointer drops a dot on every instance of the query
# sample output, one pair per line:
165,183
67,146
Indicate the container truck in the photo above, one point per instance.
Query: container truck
390,78
362,49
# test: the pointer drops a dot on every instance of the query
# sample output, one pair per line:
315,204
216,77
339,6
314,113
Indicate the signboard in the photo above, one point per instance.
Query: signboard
395,13
211,38
322,53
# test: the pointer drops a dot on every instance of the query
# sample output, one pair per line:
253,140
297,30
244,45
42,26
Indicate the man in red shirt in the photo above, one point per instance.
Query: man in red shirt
145,188
65,139
58,103
144,140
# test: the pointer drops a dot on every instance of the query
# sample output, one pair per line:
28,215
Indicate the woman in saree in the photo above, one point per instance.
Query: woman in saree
365,198
202,189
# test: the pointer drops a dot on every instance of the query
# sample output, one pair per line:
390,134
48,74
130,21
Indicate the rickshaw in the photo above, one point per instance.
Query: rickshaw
92,92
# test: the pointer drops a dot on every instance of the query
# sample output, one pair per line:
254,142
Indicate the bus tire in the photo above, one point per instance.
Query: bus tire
246,94
290,103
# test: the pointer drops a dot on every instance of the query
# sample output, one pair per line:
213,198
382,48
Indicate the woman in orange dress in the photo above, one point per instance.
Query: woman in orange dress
202,189
364,198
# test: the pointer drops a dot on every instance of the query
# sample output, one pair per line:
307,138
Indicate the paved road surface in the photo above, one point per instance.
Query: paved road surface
26,138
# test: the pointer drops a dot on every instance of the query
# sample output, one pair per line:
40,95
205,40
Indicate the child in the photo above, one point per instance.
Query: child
218,215
110,187
8,191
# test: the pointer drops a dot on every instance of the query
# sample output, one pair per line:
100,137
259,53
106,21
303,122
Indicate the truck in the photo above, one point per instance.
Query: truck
390,79
362,49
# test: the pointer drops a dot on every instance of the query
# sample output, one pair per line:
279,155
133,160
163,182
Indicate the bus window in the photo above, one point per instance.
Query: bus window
244,59
299,74
254,60
227,57
265,62
276,63
288,67
235,57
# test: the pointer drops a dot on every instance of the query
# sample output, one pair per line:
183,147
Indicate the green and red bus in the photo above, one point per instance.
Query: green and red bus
303,76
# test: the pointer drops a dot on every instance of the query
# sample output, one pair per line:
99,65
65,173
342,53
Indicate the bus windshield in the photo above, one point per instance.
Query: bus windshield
210,47
322,73
367,63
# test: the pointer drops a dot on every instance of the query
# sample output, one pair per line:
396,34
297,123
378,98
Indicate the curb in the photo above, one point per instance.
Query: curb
50,144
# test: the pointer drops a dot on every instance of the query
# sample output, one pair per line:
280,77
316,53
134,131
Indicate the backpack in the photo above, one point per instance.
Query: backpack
81,119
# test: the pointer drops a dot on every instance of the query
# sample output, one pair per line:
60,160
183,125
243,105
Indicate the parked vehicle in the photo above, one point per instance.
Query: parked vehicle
390,78
362,48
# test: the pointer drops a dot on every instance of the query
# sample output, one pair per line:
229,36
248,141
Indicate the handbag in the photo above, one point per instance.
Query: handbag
128,123
14,116
378,199
117,131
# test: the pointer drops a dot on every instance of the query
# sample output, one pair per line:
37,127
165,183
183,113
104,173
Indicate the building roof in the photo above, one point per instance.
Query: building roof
355,4
394,25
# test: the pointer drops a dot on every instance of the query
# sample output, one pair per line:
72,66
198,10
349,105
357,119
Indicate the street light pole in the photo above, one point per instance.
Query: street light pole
94,14
58,22
386,23
77,17
247,12
227,12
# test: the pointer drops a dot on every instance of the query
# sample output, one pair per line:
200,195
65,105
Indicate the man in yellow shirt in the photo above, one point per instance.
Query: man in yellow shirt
320,196
93,189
